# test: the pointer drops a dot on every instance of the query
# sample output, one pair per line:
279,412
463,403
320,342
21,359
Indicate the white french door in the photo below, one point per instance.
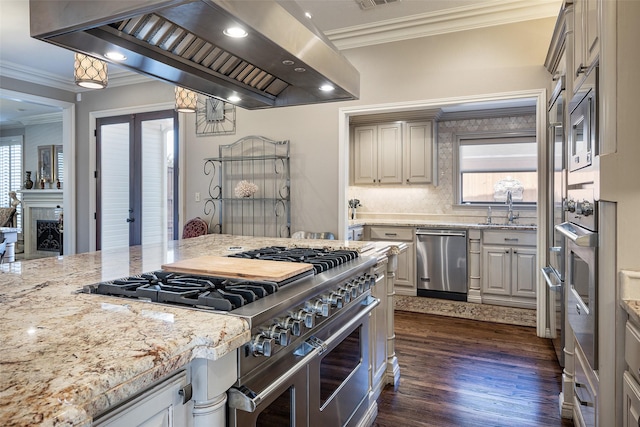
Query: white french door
135,159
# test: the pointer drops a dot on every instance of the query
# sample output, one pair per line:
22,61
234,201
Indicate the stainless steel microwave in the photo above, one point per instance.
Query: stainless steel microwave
583,124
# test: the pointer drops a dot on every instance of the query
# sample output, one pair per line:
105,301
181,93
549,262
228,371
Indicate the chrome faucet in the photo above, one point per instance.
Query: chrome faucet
510,215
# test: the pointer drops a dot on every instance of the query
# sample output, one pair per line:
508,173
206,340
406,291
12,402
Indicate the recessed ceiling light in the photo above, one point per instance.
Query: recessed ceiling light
115,56
326,88
299,69
307,15
235,32
234,98
287,62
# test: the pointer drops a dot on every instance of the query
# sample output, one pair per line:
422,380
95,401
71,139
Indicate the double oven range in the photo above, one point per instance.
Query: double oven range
307,362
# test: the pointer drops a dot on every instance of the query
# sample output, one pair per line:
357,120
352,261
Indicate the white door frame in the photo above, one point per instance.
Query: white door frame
541,129
69,149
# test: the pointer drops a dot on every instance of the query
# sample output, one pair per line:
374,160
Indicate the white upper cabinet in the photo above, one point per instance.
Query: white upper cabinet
586,41
378,154
418,156
393,153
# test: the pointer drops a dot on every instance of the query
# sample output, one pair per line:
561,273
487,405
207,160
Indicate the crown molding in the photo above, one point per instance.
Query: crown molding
117,77
483,15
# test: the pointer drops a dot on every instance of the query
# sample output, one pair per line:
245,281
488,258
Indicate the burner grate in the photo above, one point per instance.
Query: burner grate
321,259
178,288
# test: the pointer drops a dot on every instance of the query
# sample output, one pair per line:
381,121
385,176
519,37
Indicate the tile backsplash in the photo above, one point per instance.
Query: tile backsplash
438,201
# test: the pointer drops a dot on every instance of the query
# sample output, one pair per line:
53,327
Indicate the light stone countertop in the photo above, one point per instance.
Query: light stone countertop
419,223
630,293
67,356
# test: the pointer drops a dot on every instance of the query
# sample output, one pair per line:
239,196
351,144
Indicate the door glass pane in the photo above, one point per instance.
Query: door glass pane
279,413
338,365
154,179
114,164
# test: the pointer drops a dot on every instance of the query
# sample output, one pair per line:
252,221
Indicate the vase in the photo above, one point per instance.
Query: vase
28,184
353,213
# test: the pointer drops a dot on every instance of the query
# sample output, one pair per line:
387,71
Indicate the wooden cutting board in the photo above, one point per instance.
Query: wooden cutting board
254,269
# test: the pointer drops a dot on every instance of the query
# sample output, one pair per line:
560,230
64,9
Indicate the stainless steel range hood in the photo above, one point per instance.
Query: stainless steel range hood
182,42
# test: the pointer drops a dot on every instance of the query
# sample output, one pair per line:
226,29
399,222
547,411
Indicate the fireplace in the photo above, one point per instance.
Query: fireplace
41,210
48,236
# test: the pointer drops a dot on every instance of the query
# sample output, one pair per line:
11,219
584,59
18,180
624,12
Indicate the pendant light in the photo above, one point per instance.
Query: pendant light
186,100
90,72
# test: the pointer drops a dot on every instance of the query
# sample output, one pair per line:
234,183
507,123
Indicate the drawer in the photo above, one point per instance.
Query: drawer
392,233
511,238
632,349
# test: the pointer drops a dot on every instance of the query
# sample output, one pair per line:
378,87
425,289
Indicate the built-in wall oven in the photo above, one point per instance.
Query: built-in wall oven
583,129
580,231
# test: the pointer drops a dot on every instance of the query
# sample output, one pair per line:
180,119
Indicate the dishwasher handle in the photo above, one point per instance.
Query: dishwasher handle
428,232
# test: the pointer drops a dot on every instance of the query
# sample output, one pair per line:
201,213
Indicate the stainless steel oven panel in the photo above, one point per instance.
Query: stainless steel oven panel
583,124
582,294
582,209
282,403
555,304
338,390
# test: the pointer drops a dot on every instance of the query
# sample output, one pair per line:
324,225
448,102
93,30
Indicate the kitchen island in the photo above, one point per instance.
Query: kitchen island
68,356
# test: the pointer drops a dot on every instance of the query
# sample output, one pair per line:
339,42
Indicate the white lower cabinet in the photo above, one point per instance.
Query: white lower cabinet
630,402
355,233
405,281
631,386
378,331
509,268
160,406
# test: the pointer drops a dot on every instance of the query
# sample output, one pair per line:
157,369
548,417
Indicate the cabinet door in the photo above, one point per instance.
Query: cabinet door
592,30
496,270
418,158
523,270
378,330
365,155
586,40
630,402
390,154
159,407
406,274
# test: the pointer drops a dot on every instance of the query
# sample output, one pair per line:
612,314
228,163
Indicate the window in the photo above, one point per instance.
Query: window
490,167
10,170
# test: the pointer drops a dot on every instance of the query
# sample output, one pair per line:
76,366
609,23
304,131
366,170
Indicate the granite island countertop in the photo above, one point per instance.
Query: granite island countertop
66,356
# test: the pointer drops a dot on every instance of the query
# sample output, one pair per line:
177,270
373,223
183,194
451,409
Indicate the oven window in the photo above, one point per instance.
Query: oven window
579,143
279,413
580,278
336,366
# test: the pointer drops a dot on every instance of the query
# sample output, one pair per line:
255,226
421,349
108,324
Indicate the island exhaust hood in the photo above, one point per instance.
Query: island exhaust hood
284,60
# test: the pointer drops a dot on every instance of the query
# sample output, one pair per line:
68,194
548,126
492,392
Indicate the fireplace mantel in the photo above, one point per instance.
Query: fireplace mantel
37,204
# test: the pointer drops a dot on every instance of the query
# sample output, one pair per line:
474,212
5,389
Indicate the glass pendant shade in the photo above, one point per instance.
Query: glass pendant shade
186,100
90,72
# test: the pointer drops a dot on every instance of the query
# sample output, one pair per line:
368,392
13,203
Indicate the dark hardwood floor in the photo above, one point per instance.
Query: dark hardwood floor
465,373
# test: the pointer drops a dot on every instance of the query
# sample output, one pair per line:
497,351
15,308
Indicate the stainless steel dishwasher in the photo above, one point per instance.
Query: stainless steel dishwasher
442,263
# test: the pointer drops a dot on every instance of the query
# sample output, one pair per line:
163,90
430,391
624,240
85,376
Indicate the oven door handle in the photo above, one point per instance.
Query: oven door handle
585,238
245,399
551,284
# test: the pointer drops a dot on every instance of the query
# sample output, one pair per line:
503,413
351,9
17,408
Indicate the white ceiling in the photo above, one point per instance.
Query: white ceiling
343,21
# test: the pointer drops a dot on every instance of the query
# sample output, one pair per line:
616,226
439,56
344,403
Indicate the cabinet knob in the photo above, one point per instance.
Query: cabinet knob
515,251
407,180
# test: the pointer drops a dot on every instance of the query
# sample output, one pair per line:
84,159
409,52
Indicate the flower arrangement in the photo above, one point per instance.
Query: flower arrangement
354,203
245,189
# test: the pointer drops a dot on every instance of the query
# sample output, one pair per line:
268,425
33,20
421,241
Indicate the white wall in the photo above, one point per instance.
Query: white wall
491,60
